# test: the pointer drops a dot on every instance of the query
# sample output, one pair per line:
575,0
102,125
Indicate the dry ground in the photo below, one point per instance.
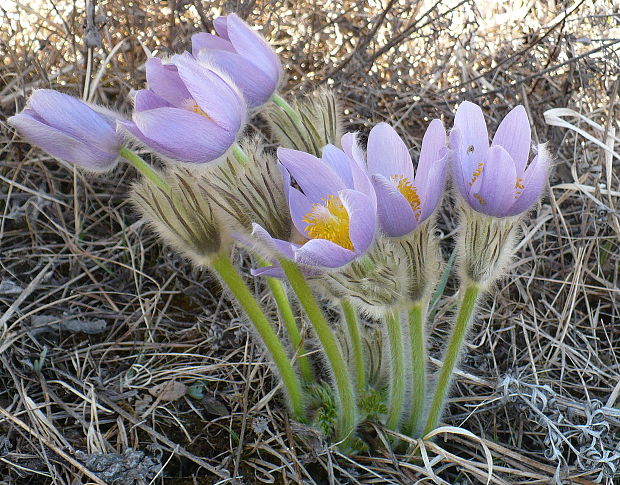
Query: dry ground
95,313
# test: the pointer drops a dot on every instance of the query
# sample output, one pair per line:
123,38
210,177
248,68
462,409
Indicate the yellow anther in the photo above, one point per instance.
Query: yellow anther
519,186
405,187
480,199
476,173
329,220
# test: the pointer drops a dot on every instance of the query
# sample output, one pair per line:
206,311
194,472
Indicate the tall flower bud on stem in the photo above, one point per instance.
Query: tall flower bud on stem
495,187
186,220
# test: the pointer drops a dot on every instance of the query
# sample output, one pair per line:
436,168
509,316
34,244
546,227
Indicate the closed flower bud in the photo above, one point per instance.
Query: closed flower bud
183,218
190,113
243,55
250,192
317,122
70,130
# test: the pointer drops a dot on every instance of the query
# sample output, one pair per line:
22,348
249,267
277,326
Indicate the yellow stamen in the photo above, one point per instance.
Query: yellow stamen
198,110
519,186
329,220
480,199
409,192
476,173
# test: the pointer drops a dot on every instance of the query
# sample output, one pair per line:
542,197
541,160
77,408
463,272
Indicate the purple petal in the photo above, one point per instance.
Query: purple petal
474,142
340,162
284,248
221,26
320,252
458,173
62,145
497,188
184,135
252,46
216,97
432,190
164,80
534,181
387,153
204,40
394,211
514,134
275,271
256,86
75,118
316,179
362,219
433,144
300,206
352,149
131,128
146,99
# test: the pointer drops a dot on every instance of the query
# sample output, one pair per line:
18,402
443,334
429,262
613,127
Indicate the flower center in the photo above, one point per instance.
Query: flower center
192,106
329,220
519,186
409,192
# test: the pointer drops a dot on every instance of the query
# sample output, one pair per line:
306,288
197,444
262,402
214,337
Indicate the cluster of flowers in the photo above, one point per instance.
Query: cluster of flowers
352,226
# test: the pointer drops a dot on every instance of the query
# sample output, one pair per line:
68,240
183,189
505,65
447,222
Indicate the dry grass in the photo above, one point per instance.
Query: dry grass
540,385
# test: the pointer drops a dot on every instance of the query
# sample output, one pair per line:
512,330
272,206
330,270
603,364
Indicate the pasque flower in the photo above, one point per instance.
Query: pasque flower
243,55
190,111
70,129
334,212
406,198
494,180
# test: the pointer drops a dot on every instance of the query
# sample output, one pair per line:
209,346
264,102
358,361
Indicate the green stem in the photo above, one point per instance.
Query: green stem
347,408
418,366
350,317
287,108
229,274
239,154
457,339
145,169
288,317
397,370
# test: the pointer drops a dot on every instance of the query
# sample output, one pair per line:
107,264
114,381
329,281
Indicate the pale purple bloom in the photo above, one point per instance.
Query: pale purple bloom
243,55
70,129
334,212
494,180
406,198
190,111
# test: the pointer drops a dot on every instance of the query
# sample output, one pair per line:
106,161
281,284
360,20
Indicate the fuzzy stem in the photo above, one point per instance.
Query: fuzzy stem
418,366
145,169
287,108
288,317
472,290
350,316
229,274
347,408
397,370
239,154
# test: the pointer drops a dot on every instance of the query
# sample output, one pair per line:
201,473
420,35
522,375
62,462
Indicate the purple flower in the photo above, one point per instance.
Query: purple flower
190,112
494,180
243,55
406,198
334,212
70,129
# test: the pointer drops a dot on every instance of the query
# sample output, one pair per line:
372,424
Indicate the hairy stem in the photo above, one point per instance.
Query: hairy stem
397,370
145,169
287,108
288,317
231,277
472,290
347,407
418,367
350,317
239,154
